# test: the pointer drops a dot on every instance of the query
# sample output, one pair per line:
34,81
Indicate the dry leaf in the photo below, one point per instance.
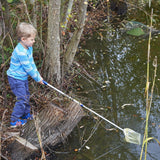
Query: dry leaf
81,126
76,150
87,147
63,33
96,118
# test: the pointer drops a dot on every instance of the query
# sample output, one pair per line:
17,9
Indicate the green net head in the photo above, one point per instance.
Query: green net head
132,136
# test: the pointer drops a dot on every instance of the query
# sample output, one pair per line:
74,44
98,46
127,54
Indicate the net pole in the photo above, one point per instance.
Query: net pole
85,107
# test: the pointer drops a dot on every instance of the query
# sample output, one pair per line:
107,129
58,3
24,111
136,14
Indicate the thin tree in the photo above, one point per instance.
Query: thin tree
52,58
72,46
65,12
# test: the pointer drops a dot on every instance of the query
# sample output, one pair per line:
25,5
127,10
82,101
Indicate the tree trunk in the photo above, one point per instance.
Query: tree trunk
7,18
4,29
66,14
52,59
63,8
34,19
72,46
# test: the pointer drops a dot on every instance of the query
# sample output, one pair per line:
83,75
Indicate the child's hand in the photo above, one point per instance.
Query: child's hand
41,82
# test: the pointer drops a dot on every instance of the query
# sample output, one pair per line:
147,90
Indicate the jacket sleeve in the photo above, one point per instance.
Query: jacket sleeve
28,65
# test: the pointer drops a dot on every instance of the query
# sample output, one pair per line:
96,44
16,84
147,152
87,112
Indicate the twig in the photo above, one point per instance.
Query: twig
38,130
56,152
26,10
86,73
92,132
1,97
2,65
1,130
1,42
126,105
3,157
108,152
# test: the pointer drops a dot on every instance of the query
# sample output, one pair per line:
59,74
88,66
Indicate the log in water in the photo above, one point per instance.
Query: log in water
55,124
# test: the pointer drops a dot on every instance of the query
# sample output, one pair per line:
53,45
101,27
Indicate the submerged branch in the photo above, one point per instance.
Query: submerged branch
92,133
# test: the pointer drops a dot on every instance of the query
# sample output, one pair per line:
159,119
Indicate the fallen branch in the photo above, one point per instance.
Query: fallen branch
3,157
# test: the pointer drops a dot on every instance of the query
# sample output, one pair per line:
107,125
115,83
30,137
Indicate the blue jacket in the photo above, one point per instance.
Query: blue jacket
22,64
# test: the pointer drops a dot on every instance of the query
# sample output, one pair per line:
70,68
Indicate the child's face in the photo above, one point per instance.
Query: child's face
28,42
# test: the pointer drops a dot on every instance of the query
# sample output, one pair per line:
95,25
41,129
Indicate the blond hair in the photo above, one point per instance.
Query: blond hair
25,30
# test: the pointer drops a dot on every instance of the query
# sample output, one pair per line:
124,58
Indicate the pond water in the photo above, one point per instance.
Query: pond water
118,65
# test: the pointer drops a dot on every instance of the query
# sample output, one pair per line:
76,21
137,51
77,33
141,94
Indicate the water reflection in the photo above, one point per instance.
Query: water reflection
120,60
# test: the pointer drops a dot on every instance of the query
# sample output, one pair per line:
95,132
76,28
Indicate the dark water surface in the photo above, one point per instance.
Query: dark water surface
118,63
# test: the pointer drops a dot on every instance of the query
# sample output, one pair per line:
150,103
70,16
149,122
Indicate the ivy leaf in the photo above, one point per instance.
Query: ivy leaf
62,26
3,9
136,32
9,1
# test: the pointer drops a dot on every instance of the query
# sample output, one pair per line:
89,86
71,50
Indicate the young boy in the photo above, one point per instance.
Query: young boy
22,65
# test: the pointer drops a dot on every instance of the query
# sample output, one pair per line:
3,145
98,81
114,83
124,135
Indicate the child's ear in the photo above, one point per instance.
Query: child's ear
23,38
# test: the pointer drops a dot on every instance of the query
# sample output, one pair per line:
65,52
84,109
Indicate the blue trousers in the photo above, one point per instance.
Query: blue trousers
21,91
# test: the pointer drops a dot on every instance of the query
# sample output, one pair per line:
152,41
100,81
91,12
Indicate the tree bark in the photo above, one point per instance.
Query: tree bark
72,46
52,59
